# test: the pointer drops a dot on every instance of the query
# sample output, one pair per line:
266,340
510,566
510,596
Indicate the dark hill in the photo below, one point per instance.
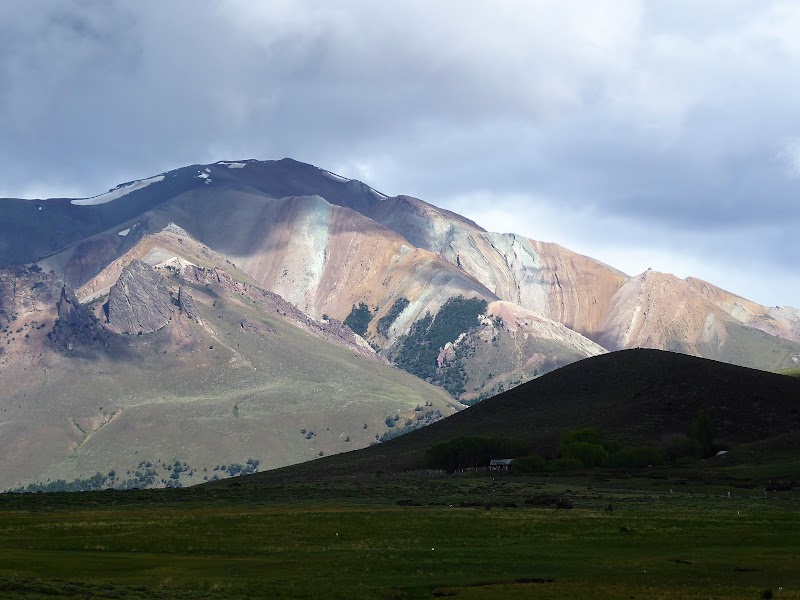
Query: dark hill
637,396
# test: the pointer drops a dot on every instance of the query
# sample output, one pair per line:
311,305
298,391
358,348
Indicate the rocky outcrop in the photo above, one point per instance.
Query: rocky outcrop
139,301
76,330
71,312
24,290
249,327
187,304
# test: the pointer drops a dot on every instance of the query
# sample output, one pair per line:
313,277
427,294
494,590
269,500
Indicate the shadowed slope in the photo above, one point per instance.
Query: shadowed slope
637,396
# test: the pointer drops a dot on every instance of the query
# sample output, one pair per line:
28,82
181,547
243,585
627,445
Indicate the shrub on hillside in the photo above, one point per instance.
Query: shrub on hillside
564,464
585,445
386,321
678,446
636,457
701,434
589,435
359,318
417,352
528,464
588,454
472,451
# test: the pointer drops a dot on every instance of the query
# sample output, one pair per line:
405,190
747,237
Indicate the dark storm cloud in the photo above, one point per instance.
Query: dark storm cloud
663,122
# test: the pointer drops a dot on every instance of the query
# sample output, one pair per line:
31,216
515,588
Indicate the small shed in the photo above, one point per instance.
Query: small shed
500,464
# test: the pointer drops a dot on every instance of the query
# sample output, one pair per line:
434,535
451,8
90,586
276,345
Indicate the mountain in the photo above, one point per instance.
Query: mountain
328,244
656,310
285,246
635,396
189,362
324,256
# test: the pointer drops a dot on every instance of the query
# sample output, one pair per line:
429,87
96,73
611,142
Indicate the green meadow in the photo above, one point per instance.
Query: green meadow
406,537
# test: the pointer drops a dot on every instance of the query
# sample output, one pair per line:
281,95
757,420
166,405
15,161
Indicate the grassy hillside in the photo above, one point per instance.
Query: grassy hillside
754,348
794,372
637,396
206,394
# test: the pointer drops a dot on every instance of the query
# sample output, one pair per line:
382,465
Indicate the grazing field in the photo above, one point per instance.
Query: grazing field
406,537
793,372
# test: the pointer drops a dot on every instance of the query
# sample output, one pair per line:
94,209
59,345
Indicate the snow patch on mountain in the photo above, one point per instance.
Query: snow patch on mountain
117,192
334,176
233,165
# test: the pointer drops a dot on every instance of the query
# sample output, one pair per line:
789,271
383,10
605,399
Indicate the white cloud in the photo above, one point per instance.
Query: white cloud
642,115
789,157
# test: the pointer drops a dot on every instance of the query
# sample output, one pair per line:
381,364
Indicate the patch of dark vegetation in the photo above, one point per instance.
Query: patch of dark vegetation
418,351
386,321
469,452
146,475
235,469
98,481
16,586
421,419
449,592
407,502
581,448
549,500
452,376
359,318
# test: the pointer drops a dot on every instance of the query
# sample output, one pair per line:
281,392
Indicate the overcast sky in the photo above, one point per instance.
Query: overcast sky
661,133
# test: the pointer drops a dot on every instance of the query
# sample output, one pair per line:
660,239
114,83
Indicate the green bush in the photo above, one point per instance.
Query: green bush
359,318
564,464
528,464
636,457
386,321
418,351
588,454
678,446
701,434
472,451
589,435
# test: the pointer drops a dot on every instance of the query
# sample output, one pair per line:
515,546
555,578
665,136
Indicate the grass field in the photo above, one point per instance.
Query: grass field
405,537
